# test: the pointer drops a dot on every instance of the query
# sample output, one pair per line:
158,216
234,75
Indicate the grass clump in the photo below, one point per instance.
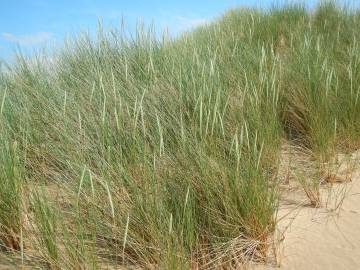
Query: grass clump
161,152
46,228
11,179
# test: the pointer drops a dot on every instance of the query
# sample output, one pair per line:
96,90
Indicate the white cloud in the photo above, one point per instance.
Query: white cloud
32,39
187,23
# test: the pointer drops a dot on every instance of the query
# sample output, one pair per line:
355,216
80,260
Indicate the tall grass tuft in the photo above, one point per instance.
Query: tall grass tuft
11,179
45,220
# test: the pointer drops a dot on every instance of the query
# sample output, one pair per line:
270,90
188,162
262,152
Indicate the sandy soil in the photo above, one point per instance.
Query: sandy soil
322,238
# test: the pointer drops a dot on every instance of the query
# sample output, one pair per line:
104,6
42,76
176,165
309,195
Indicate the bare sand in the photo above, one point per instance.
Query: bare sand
322,238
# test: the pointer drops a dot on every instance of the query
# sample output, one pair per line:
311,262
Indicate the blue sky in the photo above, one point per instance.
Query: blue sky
32,24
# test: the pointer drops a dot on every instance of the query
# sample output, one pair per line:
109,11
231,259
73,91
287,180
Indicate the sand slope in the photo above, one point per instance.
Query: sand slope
323,238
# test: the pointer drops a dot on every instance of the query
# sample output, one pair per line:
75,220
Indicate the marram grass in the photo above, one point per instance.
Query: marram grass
163,153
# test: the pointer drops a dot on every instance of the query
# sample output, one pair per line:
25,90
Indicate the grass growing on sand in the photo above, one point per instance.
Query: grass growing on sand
164,153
